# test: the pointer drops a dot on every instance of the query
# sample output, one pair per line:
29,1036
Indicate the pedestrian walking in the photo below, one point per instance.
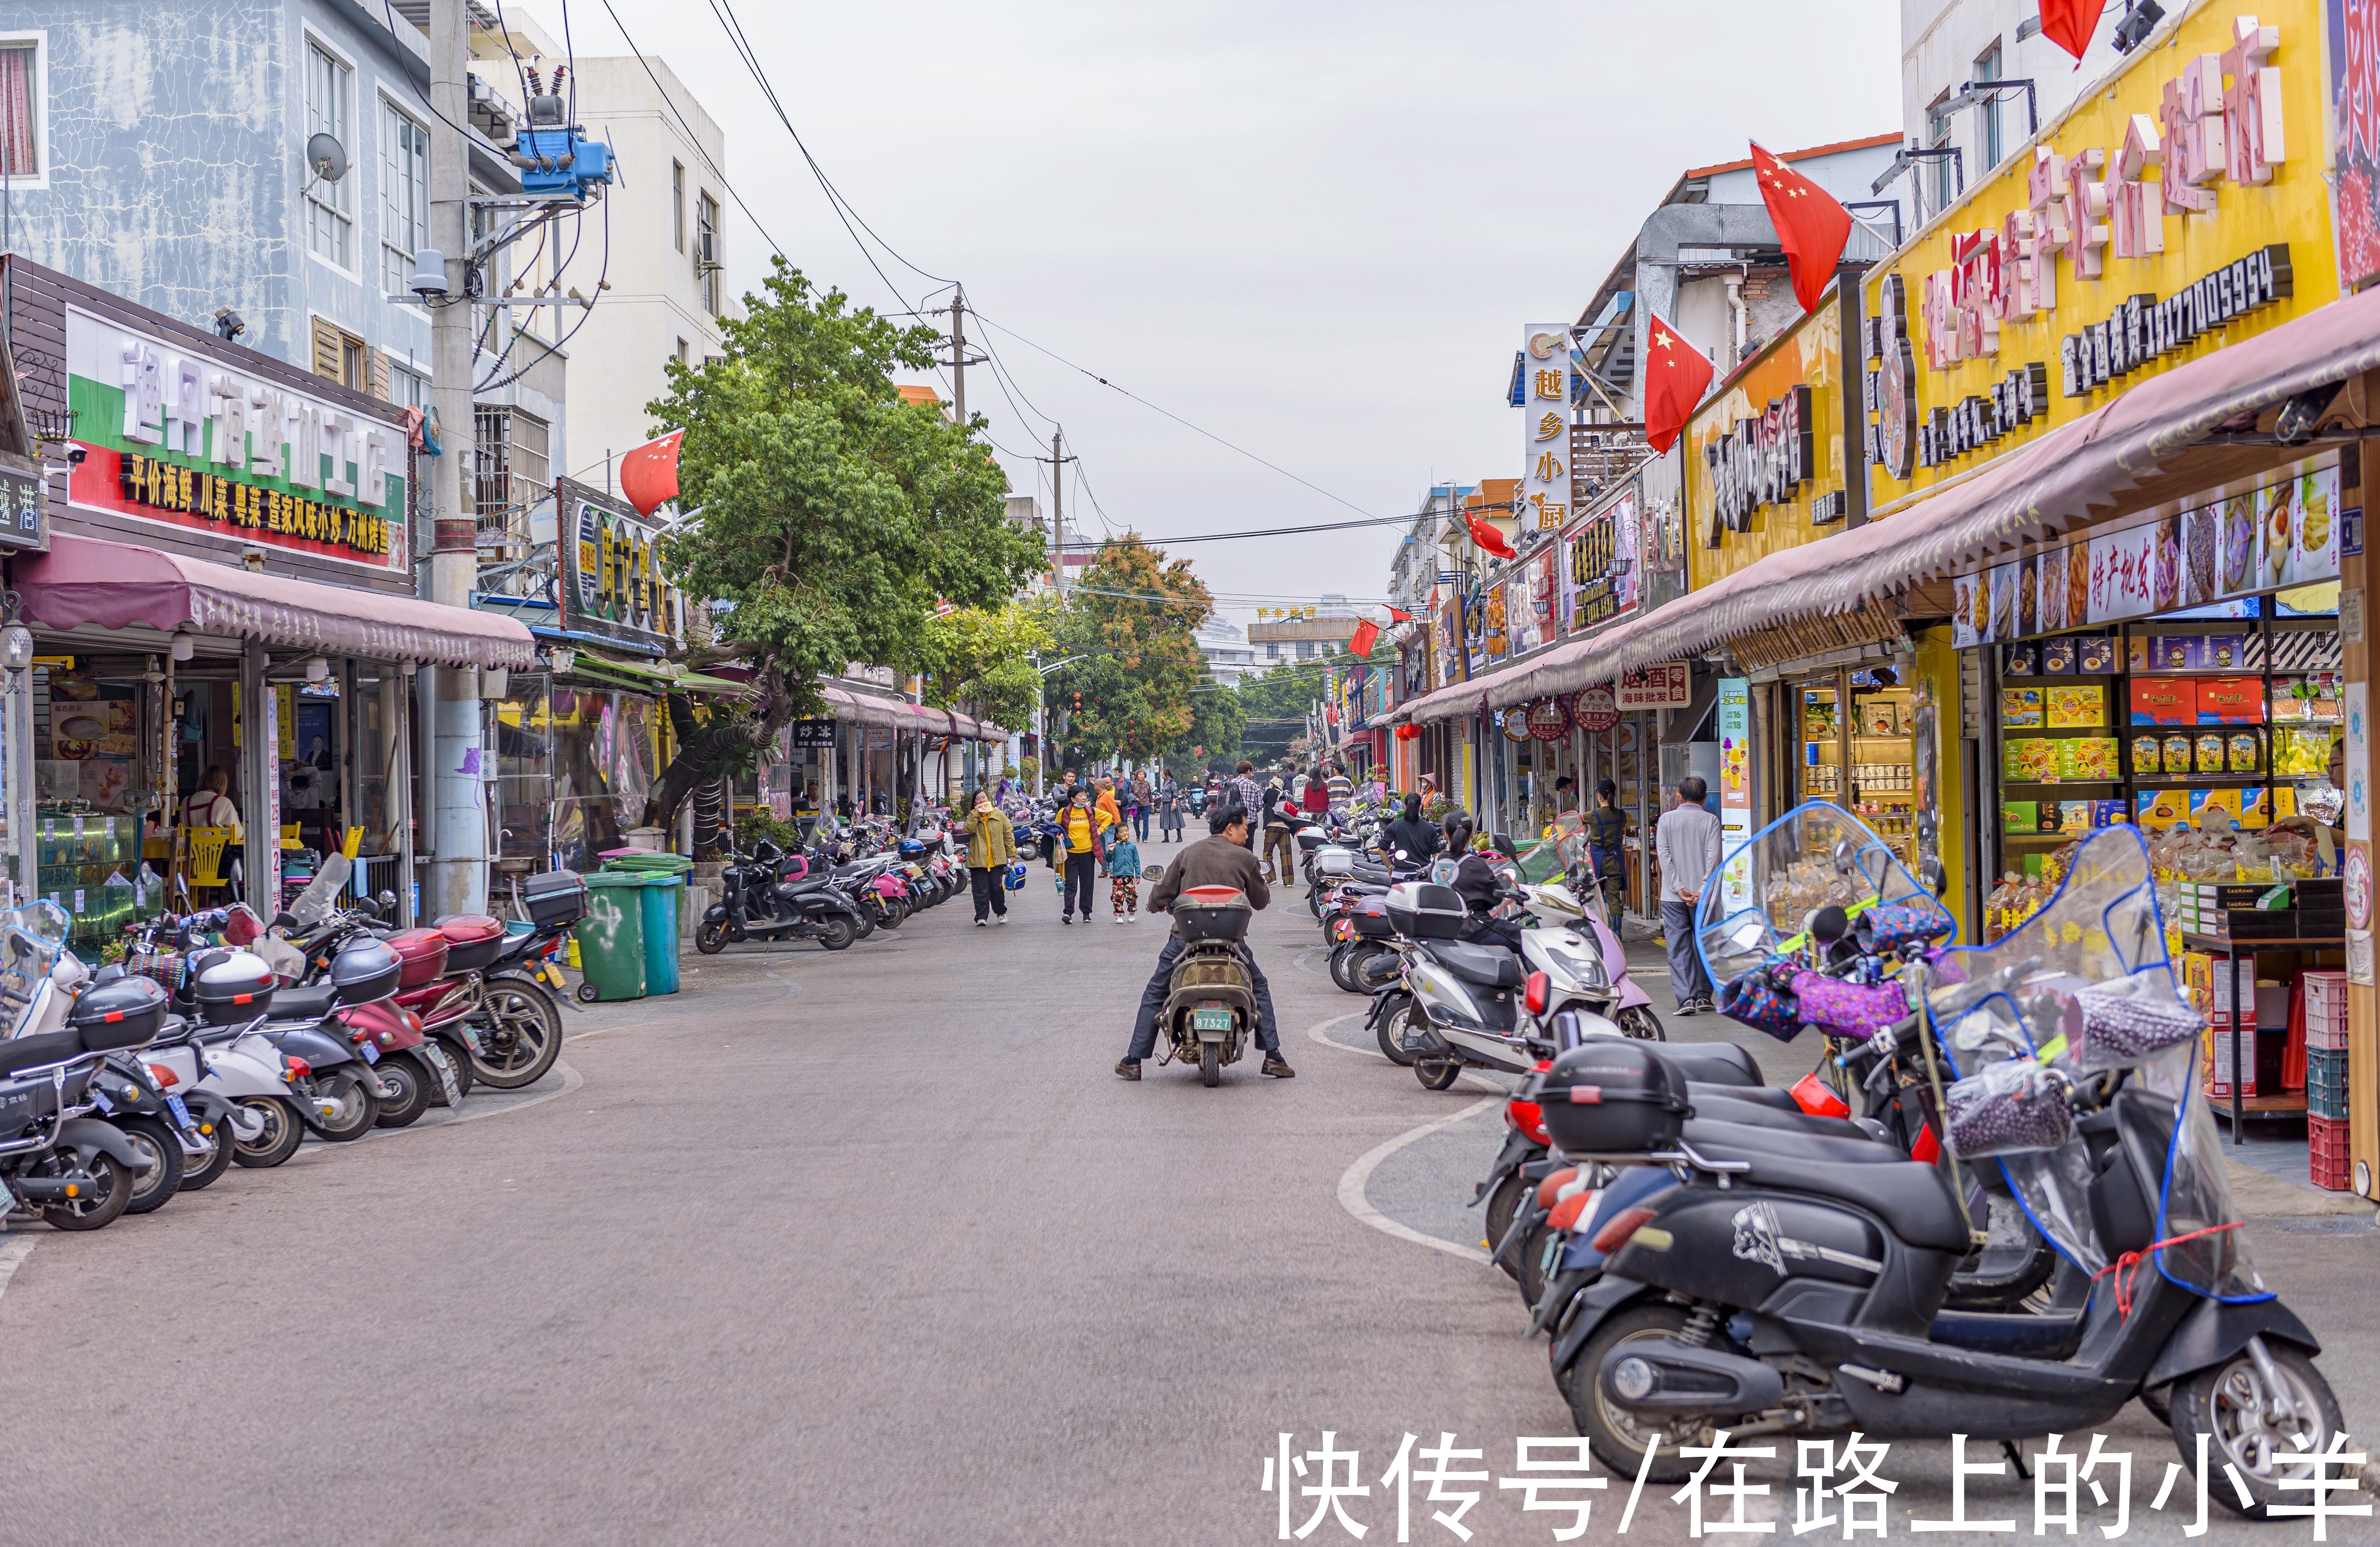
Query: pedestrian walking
1280,834
1243,789
1123,877
1083,839
1142,798
1169,808
1315,796
1606,825
991,847
1686,845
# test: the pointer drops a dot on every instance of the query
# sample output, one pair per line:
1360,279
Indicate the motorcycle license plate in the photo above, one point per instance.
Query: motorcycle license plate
551,975
181,1113
470,1038
1210,1020
371,1053
99,1099
446,1080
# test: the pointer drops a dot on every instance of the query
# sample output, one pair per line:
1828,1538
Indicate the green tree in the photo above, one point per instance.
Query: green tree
1217,724
980,659
1135,618
827,518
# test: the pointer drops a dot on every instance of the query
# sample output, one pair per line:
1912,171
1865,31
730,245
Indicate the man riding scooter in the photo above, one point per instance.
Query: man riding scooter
1221,860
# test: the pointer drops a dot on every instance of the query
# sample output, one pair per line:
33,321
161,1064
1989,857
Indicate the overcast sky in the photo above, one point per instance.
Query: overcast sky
1312,229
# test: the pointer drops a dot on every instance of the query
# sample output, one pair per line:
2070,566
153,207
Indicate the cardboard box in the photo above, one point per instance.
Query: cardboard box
2094,654
2021,660
2157,809
2057,658
2020,708
2020,817
2088,757
2079,705
2164,701
2230,700
2218,1065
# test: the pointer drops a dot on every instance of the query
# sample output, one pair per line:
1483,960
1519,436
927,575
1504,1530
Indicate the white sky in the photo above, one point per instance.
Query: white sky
1314,230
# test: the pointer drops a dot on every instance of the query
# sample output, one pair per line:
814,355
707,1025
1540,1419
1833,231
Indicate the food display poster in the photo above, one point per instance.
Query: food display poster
95,726
2281,538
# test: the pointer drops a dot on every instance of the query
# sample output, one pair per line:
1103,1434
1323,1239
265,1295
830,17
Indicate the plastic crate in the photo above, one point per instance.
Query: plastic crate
2331,1035
2326,994
2327,1164
2326,1083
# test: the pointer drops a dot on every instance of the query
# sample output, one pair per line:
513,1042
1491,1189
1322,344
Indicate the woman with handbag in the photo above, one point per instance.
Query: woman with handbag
992,844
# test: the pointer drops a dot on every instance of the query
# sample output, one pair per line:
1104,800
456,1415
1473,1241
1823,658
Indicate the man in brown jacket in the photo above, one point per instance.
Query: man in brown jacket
1221,860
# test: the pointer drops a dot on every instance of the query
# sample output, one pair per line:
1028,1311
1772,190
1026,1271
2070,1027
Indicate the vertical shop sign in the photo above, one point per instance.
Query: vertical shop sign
1735,785
1543,501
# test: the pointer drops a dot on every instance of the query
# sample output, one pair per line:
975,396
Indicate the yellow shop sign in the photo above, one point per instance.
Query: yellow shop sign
2178,206
1764,458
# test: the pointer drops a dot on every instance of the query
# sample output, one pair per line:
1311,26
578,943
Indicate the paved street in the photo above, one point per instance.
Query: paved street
868,1248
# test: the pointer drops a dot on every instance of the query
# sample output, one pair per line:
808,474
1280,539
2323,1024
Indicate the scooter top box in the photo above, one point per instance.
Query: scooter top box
231,986
127,1013
366,970
1424,911
555,899
1613,1097
472,941
421,955
1213,913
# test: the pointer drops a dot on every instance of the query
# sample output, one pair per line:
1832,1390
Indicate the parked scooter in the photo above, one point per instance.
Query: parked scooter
760,903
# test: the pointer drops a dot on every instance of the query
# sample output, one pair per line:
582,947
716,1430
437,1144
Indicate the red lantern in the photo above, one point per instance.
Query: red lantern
1409,733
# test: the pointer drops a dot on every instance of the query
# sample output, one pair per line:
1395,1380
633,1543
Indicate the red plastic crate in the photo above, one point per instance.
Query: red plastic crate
2327,1164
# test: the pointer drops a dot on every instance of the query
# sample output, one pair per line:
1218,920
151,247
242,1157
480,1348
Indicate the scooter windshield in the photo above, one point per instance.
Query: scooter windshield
26,958
321,897
1759,899
1561,848
2022,998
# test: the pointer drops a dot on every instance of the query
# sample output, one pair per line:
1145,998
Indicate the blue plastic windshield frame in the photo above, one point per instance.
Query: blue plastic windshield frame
1892,862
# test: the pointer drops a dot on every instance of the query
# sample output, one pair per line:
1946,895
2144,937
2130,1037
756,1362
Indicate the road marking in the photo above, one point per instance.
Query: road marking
1319,1032
14,1249
1359,1175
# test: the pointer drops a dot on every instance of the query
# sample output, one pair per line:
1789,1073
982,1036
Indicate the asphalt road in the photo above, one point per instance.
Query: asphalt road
868,1248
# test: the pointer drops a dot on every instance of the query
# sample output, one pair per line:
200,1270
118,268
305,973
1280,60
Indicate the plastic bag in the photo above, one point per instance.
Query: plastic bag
2009,1108
2128,1020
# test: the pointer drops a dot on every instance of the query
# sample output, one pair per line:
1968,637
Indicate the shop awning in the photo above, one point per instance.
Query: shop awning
863,709
83,582
2148,444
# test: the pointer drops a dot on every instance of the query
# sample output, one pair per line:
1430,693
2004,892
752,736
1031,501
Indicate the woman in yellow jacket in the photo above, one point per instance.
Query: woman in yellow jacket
992,845
1083,845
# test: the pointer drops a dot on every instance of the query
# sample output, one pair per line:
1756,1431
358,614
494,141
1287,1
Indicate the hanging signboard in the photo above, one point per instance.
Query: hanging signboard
1514,723
810,733
1765,461
24,504
2178,206
182,436
612,583
1735,784
1542,503
1602,555
1548,721
1593,709
1668,686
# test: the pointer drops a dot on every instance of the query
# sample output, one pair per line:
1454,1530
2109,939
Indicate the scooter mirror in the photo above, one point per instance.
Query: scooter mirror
1935,874
1845,857
285,920
1828,924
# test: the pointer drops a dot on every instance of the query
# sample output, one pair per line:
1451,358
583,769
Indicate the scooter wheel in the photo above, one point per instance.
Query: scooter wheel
1339,972
1639,1021
103,1206
412,1098
837,933
2229,1403
1436,1074
589,994
1391,1032
196,1175
282,1133
1618,1437
157,1144
710,936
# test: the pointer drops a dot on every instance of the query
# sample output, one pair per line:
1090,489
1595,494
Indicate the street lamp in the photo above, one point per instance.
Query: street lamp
1041,729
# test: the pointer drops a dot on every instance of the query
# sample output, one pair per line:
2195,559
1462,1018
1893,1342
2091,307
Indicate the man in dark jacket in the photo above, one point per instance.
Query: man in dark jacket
1222,859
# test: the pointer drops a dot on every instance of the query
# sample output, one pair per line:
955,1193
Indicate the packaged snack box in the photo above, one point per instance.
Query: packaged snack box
2145,758
2086,757
2226,652
2209,751
2076,705
2049,817
2253,811
2074,816
2164,701
1881,719
2230,700
2020,816
2241,756
2057,658
2214,809
2029,758
2095,655
2020,708
2021,660
2160,809
2110,813
2176,754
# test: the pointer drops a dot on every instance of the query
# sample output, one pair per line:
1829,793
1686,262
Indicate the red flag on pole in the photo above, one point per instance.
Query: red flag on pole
1811,224
2068,24
649,474
1487,536
1675,375
1397,616
1367,634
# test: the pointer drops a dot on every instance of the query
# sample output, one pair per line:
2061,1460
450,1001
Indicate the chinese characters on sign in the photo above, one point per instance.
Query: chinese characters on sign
611,581
1542,501
24,506
1668,686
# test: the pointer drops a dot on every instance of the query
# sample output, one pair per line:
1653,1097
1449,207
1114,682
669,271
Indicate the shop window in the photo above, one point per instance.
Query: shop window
513,470
403,197
330,109
20,109
342,357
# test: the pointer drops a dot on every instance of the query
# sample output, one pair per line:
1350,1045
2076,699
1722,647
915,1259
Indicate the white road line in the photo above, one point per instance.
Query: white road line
1319,1032
1359,1175
14,1249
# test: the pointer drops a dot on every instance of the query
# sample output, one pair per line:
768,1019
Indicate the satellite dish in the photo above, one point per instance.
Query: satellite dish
326,157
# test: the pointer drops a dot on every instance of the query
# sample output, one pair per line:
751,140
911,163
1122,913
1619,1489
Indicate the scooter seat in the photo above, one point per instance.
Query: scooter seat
1487,965
1909,1196
30,1052
1766,1097
305,1002
1723,1104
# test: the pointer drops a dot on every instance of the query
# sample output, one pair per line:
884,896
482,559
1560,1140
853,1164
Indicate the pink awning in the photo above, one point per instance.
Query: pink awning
83,582
2036,493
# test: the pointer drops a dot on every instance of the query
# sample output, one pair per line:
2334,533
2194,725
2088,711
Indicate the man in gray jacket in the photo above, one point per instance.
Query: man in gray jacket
1221,860
1686,844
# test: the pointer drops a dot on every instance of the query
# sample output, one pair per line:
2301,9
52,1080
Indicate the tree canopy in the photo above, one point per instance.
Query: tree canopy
1134,620
827,518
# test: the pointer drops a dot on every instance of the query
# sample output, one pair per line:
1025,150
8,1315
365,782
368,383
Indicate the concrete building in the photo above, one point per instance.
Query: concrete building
1274,640
1225,646
653,256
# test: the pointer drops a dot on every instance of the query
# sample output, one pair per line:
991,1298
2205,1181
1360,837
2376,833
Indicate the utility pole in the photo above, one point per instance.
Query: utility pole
959,360
1058,461
457,804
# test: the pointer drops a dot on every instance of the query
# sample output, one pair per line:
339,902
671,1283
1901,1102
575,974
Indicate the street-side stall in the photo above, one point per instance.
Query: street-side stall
225,611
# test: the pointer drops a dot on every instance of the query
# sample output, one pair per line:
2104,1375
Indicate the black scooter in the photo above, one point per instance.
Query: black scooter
1794,1284
756,904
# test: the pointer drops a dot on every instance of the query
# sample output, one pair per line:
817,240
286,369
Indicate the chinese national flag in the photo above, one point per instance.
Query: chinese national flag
2067,23
1812,225
1396,617
1675,375
1487,536
649,474
1367,634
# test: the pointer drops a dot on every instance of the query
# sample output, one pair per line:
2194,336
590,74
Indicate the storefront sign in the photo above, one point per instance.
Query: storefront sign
810,733
1668,686
185,437
1548,721
1764,458
2354,54
1447,630
1594,710
1483,620
1542,503
1735,785
1527,600
1602,555
2280,536
2183,207
612,583
1514,723
24,505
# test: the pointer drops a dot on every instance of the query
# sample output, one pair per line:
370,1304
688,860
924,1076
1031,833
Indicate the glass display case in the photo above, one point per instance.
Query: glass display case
91,865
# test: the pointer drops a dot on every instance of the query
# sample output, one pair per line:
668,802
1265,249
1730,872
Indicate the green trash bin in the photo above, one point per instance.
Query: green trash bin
612,937
660,898
678,865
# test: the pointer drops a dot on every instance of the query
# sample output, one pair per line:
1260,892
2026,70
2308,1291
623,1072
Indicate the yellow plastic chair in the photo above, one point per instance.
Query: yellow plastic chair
206,853
289,835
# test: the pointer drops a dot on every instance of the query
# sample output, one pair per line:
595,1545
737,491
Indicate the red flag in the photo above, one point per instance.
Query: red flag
1488,537
649,474
1675,375
1397,616
2067,23
1367,634
1811,224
